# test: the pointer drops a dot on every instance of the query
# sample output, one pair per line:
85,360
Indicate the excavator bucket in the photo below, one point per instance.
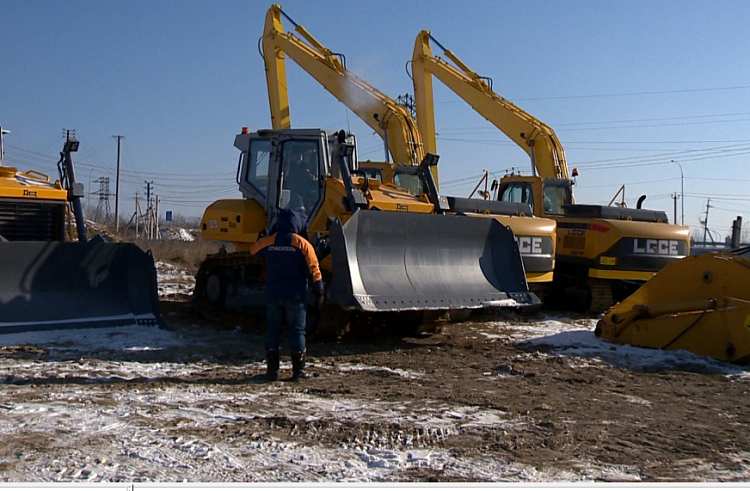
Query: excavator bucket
386,261
699,304
56,285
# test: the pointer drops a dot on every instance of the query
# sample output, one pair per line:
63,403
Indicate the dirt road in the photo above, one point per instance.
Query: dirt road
509,398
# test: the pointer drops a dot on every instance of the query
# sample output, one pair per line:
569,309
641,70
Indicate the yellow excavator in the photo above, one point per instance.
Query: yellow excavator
603,252
386,117
699,304
53,278
401,136
386,256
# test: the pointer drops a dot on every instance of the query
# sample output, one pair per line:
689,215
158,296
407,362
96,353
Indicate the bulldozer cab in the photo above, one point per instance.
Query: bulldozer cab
299,175
545,196
288,169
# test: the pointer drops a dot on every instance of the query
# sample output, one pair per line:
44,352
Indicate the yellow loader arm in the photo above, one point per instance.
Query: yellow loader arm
536,138
699,304
387,118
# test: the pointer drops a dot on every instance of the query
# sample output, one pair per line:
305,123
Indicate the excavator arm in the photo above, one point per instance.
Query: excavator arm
536,138
386,117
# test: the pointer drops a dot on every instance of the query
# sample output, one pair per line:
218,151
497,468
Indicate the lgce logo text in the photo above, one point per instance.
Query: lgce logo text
656,246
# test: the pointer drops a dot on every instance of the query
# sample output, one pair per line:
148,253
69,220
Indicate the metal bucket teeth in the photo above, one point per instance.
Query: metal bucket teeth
386,261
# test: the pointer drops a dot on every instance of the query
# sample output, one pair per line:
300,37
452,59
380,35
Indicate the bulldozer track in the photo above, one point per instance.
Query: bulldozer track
602,297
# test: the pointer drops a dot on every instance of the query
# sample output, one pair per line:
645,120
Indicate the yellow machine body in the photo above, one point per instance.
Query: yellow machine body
602,252
382,249
699,304
30,185
394,123
241,220
51,281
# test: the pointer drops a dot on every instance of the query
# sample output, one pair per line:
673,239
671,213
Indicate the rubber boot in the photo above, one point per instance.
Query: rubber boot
272,365
298,366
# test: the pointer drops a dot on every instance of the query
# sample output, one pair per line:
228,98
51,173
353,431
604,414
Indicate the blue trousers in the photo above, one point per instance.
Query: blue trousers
291,312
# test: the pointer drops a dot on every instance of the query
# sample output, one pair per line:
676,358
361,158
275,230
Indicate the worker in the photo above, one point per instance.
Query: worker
301,179
290,264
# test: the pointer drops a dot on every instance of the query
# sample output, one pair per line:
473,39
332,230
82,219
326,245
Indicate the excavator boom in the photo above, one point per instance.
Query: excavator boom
699,304
403,138
390,120
600,250
536,138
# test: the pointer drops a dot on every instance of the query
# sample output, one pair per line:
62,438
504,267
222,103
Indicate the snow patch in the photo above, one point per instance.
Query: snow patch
575,339
176,234
174,281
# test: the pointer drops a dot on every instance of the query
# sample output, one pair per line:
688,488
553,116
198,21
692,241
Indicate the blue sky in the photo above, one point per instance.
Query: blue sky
627,86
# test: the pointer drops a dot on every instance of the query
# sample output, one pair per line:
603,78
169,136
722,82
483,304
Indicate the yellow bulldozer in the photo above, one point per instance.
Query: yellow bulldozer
603,253
401,136
387,257
55,278
699,304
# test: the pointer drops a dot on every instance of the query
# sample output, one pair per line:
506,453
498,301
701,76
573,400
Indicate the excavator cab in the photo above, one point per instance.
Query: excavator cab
547,197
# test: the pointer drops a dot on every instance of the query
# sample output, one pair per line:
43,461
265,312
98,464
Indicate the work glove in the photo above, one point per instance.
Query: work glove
319,290
320,299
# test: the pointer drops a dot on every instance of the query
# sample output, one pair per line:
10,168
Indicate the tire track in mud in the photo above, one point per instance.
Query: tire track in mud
157,431
478,403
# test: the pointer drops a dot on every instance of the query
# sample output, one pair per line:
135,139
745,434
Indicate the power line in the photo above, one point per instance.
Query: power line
633,94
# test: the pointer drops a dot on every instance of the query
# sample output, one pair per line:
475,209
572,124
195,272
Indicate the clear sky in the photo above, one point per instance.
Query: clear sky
627,86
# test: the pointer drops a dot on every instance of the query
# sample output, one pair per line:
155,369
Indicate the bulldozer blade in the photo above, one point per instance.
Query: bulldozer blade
55,285
386,261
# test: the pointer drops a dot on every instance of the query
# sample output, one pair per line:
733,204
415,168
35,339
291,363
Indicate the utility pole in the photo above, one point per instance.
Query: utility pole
156,218
103,206
705,224
149,211
137,214
117,185
674,198
682,191
148,192
736,232
3,131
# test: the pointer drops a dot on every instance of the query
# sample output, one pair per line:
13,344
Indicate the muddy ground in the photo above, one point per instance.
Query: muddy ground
476,402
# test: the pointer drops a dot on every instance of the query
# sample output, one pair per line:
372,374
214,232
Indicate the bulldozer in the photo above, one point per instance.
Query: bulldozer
386,256
53,276
699,304
603,253
401,136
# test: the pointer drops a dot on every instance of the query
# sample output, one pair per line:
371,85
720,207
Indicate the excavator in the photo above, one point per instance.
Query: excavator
699,304
53,278
603,253
386,256
401,136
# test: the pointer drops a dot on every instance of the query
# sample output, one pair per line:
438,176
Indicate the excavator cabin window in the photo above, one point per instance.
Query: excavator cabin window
518,192
556,196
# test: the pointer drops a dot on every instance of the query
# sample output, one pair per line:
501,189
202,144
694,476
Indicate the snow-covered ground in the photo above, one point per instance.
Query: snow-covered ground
82,412
174,282
111,435
176,234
